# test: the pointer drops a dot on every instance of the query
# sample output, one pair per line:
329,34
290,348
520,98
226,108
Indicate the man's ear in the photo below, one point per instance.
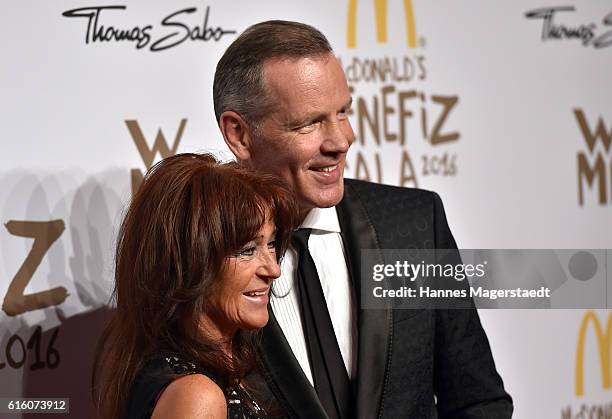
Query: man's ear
237,134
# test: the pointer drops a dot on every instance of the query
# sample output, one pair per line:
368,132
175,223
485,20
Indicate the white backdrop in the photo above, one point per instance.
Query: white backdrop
472,99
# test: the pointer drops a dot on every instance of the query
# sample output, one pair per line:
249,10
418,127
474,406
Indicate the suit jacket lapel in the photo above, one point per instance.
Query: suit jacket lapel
284,374
374,326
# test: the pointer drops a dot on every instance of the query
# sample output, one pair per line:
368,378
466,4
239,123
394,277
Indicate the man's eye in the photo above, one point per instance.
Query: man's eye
304,129
247,252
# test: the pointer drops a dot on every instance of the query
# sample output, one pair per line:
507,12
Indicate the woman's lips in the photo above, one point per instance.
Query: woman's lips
259,296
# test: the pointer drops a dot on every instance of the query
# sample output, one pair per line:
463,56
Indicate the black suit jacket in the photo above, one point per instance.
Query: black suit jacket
405,357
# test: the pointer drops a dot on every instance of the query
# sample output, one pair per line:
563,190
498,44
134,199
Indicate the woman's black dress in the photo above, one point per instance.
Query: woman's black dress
159,372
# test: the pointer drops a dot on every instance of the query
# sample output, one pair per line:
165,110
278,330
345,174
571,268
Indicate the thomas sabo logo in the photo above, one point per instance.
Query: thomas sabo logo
558,25
176,28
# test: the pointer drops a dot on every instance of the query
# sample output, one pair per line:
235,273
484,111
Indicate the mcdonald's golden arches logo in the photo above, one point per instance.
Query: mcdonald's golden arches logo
604,337
380,11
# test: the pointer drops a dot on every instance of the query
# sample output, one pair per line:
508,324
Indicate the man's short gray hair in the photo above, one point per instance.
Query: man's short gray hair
239,84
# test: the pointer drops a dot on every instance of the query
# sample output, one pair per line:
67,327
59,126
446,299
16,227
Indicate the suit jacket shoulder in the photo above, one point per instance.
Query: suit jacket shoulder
441,353
402,217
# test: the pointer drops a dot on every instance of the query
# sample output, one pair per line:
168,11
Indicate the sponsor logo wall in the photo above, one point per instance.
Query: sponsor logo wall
502,108
594,161
603,339
402,127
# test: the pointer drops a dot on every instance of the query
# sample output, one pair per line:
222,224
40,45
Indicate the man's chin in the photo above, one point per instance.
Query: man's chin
330,198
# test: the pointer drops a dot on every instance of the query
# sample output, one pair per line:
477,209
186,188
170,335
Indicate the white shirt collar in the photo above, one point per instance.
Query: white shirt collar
325,219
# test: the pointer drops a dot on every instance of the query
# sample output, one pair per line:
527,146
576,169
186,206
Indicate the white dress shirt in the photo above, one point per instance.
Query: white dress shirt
327,250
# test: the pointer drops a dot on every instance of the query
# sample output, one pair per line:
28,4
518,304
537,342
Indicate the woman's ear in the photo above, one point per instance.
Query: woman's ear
237,134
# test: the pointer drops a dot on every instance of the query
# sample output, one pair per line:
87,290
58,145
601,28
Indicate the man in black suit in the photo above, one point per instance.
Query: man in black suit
282,102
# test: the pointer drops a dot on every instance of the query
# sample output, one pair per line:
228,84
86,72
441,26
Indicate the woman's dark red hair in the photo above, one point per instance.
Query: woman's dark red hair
189,215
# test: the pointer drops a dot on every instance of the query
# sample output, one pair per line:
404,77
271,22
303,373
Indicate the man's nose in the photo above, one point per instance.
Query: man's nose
338,137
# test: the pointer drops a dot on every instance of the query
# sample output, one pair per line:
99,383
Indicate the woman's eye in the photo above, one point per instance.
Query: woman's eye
272,245
247,252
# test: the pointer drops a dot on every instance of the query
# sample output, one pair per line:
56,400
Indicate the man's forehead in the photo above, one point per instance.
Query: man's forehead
312,78
289,61
278,69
